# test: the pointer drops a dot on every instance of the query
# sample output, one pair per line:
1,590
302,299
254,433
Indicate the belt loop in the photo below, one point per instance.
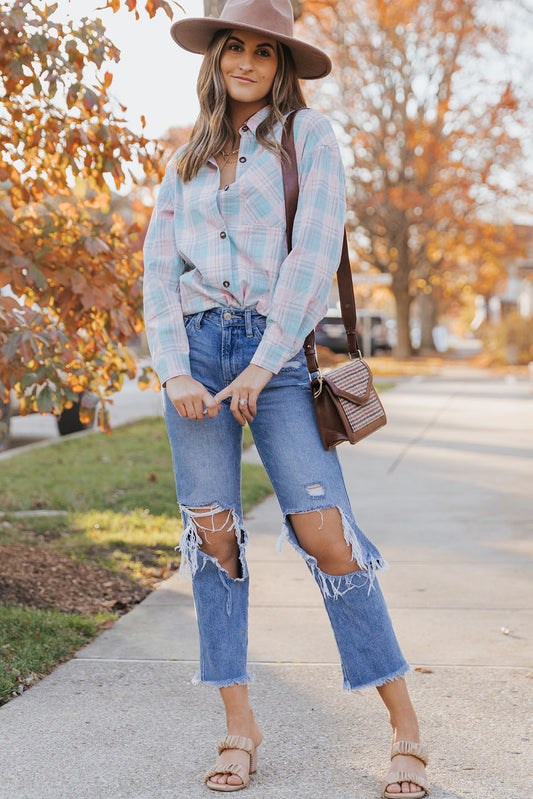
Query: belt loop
248,322
198,320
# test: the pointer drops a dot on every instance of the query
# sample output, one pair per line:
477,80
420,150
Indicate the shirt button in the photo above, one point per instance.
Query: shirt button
226,187
223,235
227,315
242,159
245,128
226,284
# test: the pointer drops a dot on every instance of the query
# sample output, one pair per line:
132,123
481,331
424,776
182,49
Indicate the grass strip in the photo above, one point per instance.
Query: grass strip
124,471
33,642
118,493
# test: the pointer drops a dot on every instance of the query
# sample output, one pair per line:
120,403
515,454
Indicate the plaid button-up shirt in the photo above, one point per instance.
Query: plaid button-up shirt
201,253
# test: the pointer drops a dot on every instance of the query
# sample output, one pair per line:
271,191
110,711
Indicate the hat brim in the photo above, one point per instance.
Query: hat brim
196,33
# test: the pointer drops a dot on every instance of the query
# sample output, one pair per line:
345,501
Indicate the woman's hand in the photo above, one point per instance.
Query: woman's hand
244,391
189,397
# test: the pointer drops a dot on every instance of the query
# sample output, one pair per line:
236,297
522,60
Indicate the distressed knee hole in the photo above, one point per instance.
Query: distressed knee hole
217,533
364,563
323,535
211,519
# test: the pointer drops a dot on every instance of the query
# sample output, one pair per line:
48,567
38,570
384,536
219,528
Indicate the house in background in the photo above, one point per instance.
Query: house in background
516,293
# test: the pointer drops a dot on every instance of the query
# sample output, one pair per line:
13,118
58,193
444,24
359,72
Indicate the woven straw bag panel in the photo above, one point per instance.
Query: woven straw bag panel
355,381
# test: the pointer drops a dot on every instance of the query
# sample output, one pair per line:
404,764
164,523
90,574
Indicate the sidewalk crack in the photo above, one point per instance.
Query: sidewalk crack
432,422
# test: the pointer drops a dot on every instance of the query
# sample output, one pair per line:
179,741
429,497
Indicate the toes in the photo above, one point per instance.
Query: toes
222,779
404,788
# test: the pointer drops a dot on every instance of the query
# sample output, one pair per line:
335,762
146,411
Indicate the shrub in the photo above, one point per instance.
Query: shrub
508,341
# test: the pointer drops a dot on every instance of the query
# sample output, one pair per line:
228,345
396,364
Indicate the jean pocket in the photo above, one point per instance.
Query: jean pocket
258,331
188,321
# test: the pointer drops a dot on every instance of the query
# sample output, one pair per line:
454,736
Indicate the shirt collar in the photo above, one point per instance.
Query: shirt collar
255,120
252,123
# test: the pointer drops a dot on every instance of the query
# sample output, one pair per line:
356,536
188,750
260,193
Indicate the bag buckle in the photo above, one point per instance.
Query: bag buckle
316,377
356,354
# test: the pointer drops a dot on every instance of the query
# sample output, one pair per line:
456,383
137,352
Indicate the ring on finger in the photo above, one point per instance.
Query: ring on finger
243,402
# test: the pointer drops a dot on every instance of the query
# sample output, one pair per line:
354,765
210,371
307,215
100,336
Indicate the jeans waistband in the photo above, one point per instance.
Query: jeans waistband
231,317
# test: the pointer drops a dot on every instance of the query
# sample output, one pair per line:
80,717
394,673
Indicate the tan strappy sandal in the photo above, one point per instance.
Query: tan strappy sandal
233,742
415,750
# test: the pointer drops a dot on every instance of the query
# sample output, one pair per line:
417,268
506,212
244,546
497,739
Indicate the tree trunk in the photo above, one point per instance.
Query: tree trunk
428,320
213,8
403,304
400,287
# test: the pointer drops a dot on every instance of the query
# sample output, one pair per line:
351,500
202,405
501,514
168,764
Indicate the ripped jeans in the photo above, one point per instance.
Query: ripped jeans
207,465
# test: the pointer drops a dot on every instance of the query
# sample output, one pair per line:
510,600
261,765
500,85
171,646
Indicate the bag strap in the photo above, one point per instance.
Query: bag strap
344,274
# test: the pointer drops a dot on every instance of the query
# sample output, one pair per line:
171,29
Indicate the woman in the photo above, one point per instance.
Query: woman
226,312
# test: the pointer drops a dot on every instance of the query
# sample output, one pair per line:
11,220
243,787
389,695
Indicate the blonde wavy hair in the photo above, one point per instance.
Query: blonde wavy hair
213,127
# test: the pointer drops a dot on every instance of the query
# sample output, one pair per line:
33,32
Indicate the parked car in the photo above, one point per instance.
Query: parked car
375,331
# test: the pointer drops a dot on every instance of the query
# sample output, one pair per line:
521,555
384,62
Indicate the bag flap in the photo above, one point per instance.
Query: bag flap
352,382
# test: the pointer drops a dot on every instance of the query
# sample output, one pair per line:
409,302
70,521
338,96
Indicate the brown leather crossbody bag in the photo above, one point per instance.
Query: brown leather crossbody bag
346,403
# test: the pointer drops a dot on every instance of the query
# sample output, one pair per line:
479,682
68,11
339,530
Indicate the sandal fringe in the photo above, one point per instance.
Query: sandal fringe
236,769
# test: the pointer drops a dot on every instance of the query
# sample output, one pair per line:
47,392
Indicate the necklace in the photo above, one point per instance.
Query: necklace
228,155
228,158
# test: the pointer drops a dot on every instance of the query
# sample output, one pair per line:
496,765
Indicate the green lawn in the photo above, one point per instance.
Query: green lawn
124,471
33,642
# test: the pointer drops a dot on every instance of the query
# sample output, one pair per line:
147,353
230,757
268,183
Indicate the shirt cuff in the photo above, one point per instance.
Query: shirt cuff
172,366
272,356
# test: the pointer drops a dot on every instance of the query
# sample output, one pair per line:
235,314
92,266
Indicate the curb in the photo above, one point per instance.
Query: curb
49,442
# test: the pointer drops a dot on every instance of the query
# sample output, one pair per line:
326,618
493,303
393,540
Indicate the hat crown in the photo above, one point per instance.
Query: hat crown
272,18
273,15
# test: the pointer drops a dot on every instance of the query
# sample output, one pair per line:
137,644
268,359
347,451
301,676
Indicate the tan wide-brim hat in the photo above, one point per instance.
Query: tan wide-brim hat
271,17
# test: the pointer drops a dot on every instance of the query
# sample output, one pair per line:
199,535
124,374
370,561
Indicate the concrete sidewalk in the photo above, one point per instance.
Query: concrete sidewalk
445,491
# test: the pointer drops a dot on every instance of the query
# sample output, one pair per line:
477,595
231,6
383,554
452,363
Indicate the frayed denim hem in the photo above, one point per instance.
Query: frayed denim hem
401,672
244,680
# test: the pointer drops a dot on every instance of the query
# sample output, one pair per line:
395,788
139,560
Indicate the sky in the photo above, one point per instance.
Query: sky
154,77
157,79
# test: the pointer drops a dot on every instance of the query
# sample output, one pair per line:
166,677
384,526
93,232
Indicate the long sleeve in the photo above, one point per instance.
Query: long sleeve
163,316
300,296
